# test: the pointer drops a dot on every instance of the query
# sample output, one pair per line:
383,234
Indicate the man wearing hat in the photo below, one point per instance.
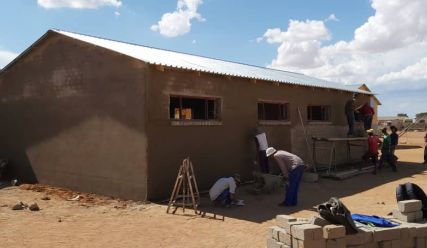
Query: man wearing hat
292,168
223,192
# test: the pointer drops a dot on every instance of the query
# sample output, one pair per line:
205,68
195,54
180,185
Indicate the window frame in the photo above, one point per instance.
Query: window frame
283,104
217,110
323,121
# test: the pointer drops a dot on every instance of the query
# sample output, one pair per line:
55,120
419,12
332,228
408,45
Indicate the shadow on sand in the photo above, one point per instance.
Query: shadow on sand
260,208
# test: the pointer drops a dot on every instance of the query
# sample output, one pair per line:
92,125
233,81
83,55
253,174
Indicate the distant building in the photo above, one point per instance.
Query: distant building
398,121
421,118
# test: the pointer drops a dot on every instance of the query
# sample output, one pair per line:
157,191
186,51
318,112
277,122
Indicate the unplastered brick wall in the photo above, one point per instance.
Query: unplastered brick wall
291,232
299,145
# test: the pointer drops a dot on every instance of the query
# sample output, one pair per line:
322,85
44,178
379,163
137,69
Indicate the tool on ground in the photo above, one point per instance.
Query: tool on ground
185,193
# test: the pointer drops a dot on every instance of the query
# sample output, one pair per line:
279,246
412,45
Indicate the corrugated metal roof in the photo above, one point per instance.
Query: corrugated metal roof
203,64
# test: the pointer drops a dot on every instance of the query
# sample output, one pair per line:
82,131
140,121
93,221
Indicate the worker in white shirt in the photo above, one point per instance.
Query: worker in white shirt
262,145
292,168
223,192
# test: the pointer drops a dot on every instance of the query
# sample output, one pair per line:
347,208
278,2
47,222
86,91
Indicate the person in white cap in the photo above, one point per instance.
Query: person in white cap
292,168
223,192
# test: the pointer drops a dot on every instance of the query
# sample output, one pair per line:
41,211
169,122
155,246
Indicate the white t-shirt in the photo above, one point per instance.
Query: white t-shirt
221,185
262,141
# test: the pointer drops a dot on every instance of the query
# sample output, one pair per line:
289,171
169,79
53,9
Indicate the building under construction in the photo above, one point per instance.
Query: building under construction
115,118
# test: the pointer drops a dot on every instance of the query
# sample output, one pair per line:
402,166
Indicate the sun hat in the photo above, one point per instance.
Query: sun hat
270,151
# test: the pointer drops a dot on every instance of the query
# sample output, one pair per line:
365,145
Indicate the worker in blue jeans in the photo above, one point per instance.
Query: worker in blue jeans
292,168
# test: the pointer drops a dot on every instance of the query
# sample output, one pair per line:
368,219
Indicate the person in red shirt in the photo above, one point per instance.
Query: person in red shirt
367,113
372,153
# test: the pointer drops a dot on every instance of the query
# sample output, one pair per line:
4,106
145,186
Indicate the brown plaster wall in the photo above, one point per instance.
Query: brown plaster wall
221,150
73,116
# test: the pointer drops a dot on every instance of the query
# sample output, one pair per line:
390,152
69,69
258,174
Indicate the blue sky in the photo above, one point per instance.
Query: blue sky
350,41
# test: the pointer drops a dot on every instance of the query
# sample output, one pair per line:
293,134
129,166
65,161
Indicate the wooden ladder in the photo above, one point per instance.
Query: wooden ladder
185,193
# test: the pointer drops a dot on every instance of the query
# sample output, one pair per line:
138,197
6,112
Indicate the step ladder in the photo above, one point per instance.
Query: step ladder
185,193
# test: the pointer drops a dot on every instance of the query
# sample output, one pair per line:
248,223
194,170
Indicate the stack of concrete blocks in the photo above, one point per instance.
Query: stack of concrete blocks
292,232
409,211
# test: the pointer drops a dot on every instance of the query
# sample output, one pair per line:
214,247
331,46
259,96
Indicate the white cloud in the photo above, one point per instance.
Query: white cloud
415,72
78,4
300,44
116,13
388,52
177,23
332,17
395,24
6,57
193,42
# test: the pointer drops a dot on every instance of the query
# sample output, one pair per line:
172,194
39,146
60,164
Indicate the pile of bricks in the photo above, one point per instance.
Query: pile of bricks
409,211
292,232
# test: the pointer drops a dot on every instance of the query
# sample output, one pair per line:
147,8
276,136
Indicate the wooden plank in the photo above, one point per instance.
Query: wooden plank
349,173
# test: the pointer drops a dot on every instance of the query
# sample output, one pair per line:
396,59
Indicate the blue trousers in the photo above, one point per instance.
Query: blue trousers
295,175
224,197
263,162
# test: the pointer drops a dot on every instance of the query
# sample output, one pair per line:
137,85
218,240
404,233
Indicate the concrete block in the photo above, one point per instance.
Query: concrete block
336,243
333,231
396,244
310,177
409,206
294,243
272,243
270,232
370,245
276,232
285,238
318,243
381,234
420,242
408,217
407,232
385,244
319,221
307,232
287,225
421,230
281,220
407,243
355,239
362,237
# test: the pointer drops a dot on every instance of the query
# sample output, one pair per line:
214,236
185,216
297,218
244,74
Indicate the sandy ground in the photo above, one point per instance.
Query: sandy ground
94,221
